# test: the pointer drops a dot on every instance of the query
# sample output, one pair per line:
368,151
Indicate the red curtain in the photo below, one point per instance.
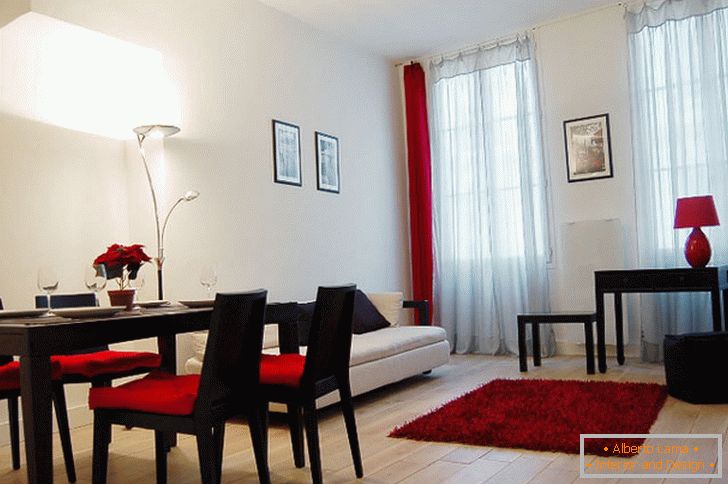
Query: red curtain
420,182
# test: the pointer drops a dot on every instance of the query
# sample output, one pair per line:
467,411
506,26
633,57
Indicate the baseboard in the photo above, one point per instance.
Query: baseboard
569,348
78,416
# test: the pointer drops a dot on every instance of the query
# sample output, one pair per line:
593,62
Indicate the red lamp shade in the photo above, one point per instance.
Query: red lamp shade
696,212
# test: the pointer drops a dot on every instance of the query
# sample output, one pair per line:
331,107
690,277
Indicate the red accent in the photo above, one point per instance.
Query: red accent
10,374
545,415
696,212
99,363
420,182
697,249
157,392
285,369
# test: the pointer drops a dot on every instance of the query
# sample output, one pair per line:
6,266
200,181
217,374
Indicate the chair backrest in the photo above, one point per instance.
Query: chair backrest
80,300
59,301
231,367
4,358
329,339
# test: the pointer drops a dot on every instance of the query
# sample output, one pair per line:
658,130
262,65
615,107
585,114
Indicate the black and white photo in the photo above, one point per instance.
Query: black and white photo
287,153
327,163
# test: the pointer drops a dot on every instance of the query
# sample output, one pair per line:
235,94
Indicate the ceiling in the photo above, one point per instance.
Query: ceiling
406,29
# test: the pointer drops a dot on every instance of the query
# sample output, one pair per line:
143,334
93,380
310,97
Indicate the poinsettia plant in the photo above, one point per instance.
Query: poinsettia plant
122,262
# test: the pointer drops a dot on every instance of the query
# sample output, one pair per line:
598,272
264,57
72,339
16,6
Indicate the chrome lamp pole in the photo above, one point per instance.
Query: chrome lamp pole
159,131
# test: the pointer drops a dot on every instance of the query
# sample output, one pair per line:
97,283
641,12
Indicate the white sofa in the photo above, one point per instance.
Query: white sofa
378,358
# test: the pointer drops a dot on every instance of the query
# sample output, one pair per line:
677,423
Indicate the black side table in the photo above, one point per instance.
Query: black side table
535,319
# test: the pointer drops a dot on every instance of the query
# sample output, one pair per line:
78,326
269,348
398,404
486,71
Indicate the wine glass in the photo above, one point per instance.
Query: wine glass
208,278
95,278
47,282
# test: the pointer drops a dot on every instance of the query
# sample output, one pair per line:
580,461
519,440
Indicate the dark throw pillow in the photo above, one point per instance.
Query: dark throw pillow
304,322
366,317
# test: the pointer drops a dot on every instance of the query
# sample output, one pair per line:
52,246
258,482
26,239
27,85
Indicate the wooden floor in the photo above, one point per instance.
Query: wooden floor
389,460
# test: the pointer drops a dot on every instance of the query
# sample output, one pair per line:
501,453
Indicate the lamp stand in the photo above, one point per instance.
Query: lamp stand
697,249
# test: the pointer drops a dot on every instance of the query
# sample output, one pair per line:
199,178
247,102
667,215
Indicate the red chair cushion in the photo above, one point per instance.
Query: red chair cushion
285,369
99,363
157,392
10,374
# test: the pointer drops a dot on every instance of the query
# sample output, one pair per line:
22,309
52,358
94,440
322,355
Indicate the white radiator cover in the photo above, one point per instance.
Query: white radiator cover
588,246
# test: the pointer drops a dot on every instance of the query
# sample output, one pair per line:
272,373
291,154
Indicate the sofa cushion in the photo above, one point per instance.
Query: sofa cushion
199,340
391,341
389,304
366,317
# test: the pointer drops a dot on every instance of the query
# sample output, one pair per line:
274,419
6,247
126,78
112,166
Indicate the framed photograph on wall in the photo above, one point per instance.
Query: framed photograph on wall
286,153
327,163
588,148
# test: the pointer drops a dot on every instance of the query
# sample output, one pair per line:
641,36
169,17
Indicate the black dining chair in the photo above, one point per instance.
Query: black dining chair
195,404
97,366
298,381
10,391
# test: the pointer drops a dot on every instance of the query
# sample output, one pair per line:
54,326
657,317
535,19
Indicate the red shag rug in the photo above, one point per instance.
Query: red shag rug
545,415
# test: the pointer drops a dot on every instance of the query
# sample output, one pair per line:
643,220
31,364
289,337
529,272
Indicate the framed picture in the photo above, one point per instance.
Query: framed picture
286,153
327,163
588,148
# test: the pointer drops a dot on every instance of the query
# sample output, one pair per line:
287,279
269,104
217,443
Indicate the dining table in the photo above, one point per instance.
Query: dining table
35,339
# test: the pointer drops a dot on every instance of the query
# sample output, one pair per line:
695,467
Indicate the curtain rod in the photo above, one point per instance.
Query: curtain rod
513,36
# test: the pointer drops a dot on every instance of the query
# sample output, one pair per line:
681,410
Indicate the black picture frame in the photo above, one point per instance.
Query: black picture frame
588,145
328,165
287,153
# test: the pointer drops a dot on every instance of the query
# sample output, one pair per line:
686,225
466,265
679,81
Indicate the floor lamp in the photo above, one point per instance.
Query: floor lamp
160,131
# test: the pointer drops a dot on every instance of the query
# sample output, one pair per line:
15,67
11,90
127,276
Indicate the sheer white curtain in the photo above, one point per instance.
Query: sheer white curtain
678,56
489,196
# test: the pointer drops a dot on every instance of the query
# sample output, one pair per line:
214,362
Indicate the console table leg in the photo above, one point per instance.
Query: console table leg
601,346
725,310
619,326
717,313
589,342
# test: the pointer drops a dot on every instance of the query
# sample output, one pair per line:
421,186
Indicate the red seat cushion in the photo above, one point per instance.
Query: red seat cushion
285,369
10,374
157,392
99,363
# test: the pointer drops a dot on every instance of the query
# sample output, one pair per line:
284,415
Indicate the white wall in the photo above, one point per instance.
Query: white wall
583,72
235,65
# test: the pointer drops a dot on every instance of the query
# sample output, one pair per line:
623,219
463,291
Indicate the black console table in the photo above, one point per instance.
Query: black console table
707,279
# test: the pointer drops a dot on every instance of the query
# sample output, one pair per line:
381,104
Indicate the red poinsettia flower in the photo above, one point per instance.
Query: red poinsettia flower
119,258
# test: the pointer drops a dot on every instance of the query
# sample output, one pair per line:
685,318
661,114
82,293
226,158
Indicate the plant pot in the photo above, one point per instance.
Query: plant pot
122,297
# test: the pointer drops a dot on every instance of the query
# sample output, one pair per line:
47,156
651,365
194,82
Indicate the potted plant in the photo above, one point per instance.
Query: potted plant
122,263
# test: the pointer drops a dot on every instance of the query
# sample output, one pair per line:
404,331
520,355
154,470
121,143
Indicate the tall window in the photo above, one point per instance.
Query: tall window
678,54
489,195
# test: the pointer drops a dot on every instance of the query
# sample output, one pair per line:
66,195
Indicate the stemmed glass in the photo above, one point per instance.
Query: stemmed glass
95,278
47,283
208,278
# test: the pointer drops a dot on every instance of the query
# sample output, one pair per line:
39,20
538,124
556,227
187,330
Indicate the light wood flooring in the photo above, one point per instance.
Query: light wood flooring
389,460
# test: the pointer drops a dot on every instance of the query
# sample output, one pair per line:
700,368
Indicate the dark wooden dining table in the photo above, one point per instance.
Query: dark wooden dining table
34,340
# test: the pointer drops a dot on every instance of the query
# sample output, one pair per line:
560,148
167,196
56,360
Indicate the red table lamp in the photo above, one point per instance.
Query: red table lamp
696,212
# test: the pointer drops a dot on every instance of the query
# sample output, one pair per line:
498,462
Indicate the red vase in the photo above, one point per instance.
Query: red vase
122,297
697,249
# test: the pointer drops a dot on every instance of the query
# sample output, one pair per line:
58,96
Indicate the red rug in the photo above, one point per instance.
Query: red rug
546,415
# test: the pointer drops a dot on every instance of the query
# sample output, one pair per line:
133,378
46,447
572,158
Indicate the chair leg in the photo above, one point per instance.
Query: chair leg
14,431
348,410
296,426
219,441
258,425
160,456
102,431
312,438
59,400
207,455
